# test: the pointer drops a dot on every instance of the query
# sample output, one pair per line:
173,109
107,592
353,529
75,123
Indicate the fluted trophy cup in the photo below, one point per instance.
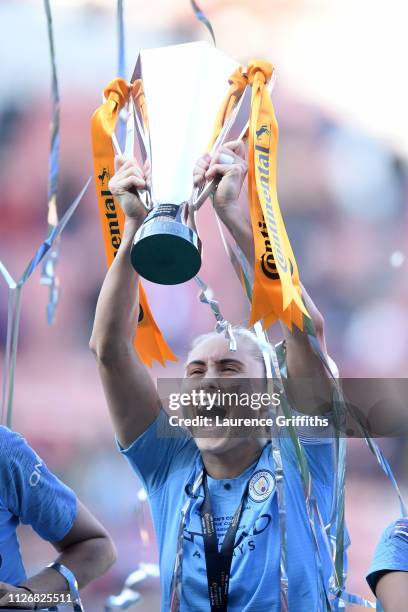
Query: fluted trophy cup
183,87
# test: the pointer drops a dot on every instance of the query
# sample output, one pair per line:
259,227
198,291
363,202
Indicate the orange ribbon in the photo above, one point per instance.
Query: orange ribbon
138,96
276,292
149,341
238,83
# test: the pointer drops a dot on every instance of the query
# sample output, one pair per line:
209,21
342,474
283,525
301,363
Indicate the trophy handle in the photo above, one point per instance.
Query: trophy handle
202,193
189,215
133,120
235,128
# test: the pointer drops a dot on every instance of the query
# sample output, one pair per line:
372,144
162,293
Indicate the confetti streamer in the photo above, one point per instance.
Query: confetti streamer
14,306
204,19
48,276
121,40
121,69
222,326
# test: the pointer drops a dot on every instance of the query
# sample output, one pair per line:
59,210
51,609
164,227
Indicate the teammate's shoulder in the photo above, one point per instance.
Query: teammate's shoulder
12,445
8,437
396,529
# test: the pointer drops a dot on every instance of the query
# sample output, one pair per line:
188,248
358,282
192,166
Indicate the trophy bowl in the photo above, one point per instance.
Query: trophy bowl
165,250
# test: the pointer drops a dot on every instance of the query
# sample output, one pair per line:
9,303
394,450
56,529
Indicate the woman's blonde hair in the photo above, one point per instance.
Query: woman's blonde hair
258,348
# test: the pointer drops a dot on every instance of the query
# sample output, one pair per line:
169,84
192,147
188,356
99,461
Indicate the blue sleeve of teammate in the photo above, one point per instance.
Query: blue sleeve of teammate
391,553
160,451
31,492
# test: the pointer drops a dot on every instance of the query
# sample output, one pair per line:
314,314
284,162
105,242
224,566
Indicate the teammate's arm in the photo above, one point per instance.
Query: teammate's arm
86,550
36,497
131,395
392,590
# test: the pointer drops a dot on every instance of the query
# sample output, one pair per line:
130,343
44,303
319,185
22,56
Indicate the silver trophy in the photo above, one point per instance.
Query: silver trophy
183,88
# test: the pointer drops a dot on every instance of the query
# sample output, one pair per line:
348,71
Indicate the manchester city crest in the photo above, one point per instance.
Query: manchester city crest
261,485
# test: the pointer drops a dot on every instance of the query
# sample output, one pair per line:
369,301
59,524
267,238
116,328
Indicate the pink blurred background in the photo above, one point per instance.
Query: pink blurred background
343,185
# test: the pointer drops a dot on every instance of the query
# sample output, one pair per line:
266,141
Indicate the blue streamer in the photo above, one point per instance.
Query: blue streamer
53,235
14,307
48,276
372,445
204,19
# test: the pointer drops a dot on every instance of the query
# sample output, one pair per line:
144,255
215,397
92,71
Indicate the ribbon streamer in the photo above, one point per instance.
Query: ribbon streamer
129,595
120,28
149,341
177,578
66,573
121,40
48,275
204,19
335,597
14,307
276,290
271,366
222,326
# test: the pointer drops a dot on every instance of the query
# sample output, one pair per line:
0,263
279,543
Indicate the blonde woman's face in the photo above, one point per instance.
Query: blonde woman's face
211,367
212,358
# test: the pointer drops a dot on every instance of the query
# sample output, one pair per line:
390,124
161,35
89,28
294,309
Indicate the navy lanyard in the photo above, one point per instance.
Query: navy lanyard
218,563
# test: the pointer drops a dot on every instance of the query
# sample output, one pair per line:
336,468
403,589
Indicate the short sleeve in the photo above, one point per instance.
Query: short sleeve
391,553
31,492
160,452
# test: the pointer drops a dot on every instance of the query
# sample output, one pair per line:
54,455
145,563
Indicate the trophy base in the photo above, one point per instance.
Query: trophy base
166,252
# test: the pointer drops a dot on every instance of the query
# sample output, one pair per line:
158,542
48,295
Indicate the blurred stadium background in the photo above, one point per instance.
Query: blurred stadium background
341,102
